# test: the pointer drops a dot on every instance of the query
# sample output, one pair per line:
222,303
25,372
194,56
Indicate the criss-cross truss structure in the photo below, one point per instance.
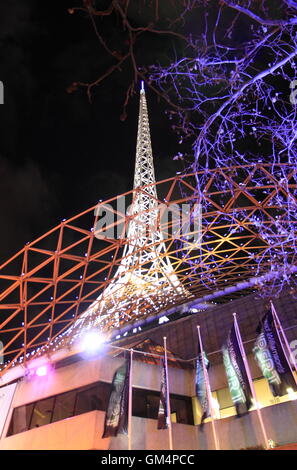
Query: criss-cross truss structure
75,276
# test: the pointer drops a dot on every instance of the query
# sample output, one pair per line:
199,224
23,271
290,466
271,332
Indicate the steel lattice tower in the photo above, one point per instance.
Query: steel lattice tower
145,279
145,240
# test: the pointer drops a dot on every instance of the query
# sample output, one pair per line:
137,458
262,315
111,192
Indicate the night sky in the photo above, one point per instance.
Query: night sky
59,153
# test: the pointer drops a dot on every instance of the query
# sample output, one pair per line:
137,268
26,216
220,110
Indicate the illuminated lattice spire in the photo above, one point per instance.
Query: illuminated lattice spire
145,281
144,165
144,235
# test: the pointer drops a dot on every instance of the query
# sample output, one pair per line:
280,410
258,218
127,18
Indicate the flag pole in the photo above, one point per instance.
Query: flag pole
168,417
249,376
208,391
130,404
291,359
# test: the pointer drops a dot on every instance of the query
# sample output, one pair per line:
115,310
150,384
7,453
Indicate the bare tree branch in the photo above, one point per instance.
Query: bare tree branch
263,21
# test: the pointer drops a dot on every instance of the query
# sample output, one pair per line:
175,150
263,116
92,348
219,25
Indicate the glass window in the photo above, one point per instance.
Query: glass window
139,403
182,408
93,398
64,406
146,405
42,413
153,400
21,418
224,398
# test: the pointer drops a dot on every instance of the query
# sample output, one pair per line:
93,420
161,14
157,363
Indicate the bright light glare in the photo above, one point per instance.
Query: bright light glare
257,404
41,371
291,393
215,407
163,319
93,341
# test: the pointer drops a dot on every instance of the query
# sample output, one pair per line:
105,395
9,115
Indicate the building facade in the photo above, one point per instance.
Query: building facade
65,408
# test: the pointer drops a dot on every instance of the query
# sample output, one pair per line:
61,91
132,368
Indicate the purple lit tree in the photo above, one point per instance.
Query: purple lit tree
235,90
227,69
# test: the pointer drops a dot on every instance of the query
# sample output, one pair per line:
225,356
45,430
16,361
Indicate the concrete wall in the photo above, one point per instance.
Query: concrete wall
85,431
280,423
80,432
86,372
89,371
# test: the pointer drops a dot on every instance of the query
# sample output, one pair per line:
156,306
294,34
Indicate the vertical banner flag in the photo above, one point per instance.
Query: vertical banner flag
271,358
116,418
238,382
201,387
163,408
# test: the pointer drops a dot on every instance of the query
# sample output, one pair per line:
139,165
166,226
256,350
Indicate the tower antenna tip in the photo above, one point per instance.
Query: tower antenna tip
142,85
